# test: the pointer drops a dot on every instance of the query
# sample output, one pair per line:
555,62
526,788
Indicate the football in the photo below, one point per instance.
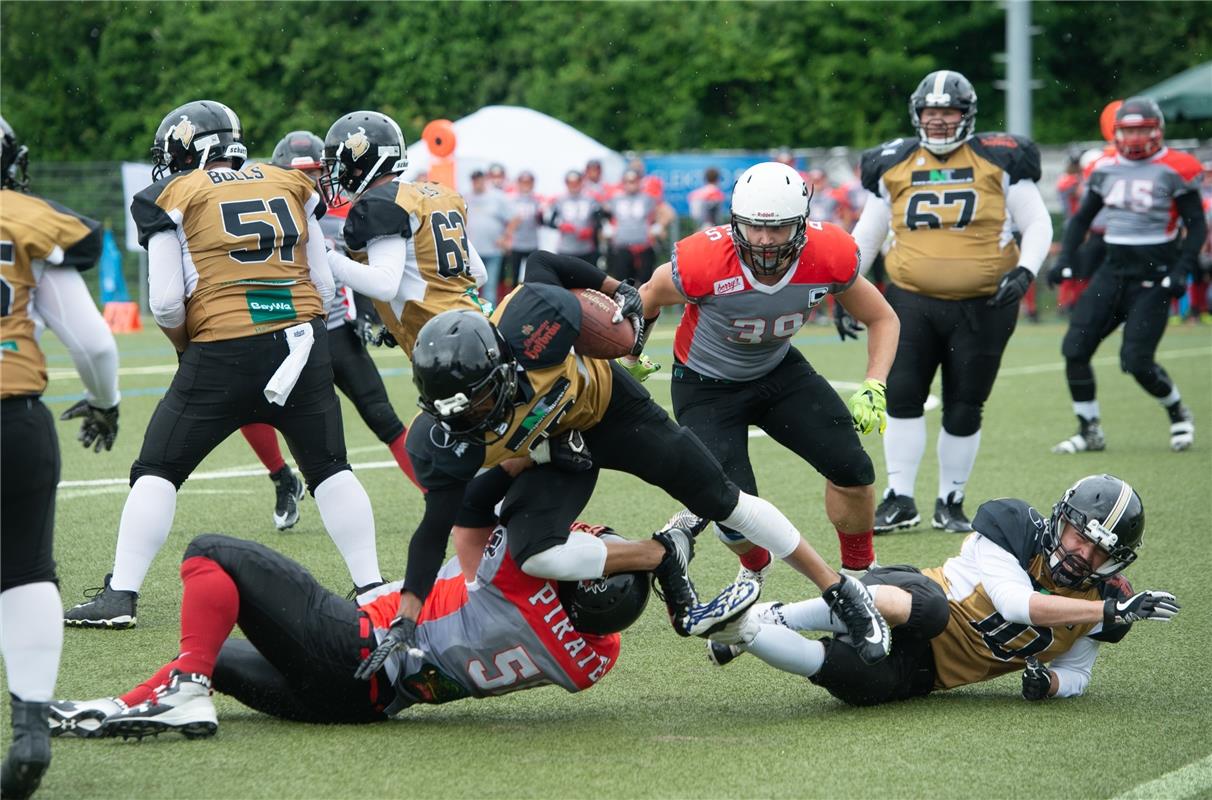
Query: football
601,337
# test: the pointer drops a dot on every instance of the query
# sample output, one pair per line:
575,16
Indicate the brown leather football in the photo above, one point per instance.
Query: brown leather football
601,337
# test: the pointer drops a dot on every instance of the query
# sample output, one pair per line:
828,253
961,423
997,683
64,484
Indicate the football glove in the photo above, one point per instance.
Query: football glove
1142,605
1058,272
847,326
402,635
376,335
566,451
869,408
629,300
1176,281
98,426
640,367
1037,680
486,306
1012,287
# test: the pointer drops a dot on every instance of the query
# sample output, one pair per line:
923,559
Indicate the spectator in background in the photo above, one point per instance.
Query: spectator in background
490,227
707,201
649,184
496,177
594,186
637,219
577,216
1200,286
527,216
823,207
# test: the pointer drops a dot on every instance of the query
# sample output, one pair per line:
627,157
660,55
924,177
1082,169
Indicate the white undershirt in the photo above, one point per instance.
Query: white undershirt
391,274
63,303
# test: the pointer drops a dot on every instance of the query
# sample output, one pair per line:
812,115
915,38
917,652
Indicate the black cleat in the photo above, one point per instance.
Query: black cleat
107,608
896,512
290,491
850,602
949,514
672,576
1089,438
720,654
30,752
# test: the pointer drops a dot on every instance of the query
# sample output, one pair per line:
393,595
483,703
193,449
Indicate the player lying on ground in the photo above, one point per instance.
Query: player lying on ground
1024,593
487,628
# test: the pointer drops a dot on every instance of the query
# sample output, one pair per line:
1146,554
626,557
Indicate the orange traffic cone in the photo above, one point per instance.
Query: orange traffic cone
123,317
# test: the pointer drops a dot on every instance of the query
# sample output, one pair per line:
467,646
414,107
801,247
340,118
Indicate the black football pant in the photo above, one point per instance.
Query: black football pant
29,477
624,263
1108,302
908,670
635,436
964,337
356,375
303,642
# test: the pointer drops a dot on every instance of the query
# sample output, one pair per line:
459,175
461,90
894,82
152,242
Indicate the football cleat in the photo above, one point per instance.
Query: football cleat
107,608
858,573
685,521
710,617
896,512
1089,438
758,576
290,491
30,752
1182,430
672,576
82,718
182,705
720,654
851,603
949,514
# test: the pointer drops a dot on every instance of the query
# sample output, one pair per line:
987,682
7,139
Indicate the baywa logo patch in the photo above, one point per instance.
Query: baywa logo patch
537,413
270,305
926,177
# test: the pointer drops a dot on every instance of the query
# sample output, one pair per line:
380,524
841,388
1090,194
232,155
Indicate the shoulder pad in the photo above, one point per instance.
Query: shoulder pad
835,254
1017,155
79,236
1186,165
150,218
700,261
376,213
878,160
540,323
1012,525
439,460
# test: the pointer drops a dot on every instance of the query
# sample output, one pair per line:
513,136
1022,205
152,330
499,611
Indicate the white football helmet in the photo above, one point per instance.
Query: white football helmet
770,195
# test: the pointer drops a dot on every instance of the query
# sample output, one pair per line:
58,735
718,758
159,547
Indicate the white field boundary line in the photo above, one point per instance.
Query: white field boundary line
1193,780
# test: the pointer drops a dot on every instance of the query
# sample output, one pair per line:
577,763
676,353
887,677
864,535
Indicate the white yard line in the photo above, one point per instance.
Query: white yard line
1193,780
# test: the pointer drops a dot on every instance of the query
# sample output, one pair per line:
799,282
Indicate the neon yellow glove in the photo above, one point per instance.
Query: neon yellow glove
869,408
484,303
640,366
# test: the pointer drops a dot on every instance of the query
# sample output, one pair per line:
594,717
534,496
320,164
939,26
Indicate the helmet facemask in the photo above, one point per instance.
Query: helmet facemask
943,89
770,195
14,173
942,145
483,412
770,259
1140,141
1071,570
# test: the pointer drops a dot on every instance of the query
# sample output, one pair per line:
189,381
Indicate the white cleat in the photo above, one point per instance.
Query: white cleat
82,718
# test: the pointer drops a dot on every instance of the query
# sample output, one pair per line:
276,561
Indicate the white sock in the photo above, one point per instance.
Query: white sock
956,457
1171,398
350,522
1086,409
31,639
764,525
811,615
785,649
147,518
904,446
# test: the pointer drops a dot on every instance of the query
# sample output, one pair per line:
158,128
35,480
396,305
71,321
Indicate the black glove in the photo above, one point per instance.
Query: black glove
98,426
1037,680
566,451
386,338
628,298
1012,287
1142,605
847,326
1178,279
1059,271
401,636
366,330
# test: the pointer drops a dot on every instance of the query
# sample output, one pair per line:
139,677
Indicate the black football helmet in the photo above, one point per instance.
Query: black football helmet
196,134
1108,512
944,88
466,376
14,160
360,147
606,605
1139,128
299,150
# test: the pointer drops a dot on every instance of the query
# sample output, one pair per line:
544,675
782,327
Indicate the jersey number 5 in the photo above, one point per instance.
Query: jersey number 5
283,236
918,217
450,243
511,666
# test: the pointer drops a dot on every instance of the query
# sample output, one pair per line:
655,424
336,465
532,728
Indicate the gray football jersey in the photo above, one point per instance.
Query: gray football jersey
737,329
580,211
632,215
1138,196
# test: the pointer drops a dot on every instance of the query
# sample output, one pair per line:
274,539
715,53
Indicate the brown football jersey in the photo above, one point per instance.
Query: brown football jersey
245,236
33,232
433,218
951,231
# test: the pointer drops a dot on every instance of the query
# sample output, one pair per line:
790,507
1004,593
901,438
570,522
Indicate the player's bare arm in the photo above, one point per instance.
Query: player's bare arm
660,291
865,303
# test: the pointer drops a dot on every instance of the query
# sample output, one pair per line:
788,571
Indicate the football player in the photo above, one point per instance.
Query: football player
577,215
1144,191
1025,593
748,287
513,387
955,279
354,371
306,655
43,249
238,283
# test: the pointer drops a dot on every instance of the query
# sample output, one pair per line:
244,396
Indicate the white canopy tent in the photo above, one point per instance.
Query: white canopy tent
520,139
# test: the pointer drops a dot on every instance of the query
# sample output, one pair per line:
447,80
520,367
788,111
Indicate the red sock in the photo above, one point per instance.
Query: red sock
858,549
756,559
401,455
210,604
146,689
264,441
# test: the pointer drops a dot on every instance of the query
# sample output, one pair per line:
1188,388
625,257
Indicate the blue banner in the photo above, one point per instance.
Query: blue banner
683,173
113,284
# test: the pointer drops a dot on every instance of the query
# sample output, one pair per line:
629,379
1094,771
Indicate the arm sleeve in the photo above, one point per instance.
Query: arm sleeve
871,230
1026,207
63,302
1007,584
317,262
566,271
1079,223
1191,209
479,272
1073,667
378,279
480,500
166,279
428,546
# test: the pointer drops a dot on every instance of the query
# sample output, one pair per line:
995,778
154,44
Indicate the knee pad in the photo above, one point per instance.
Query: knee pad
205,545
961,419
905,410
1137,364
1074,347
929,612
139,469
856,470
